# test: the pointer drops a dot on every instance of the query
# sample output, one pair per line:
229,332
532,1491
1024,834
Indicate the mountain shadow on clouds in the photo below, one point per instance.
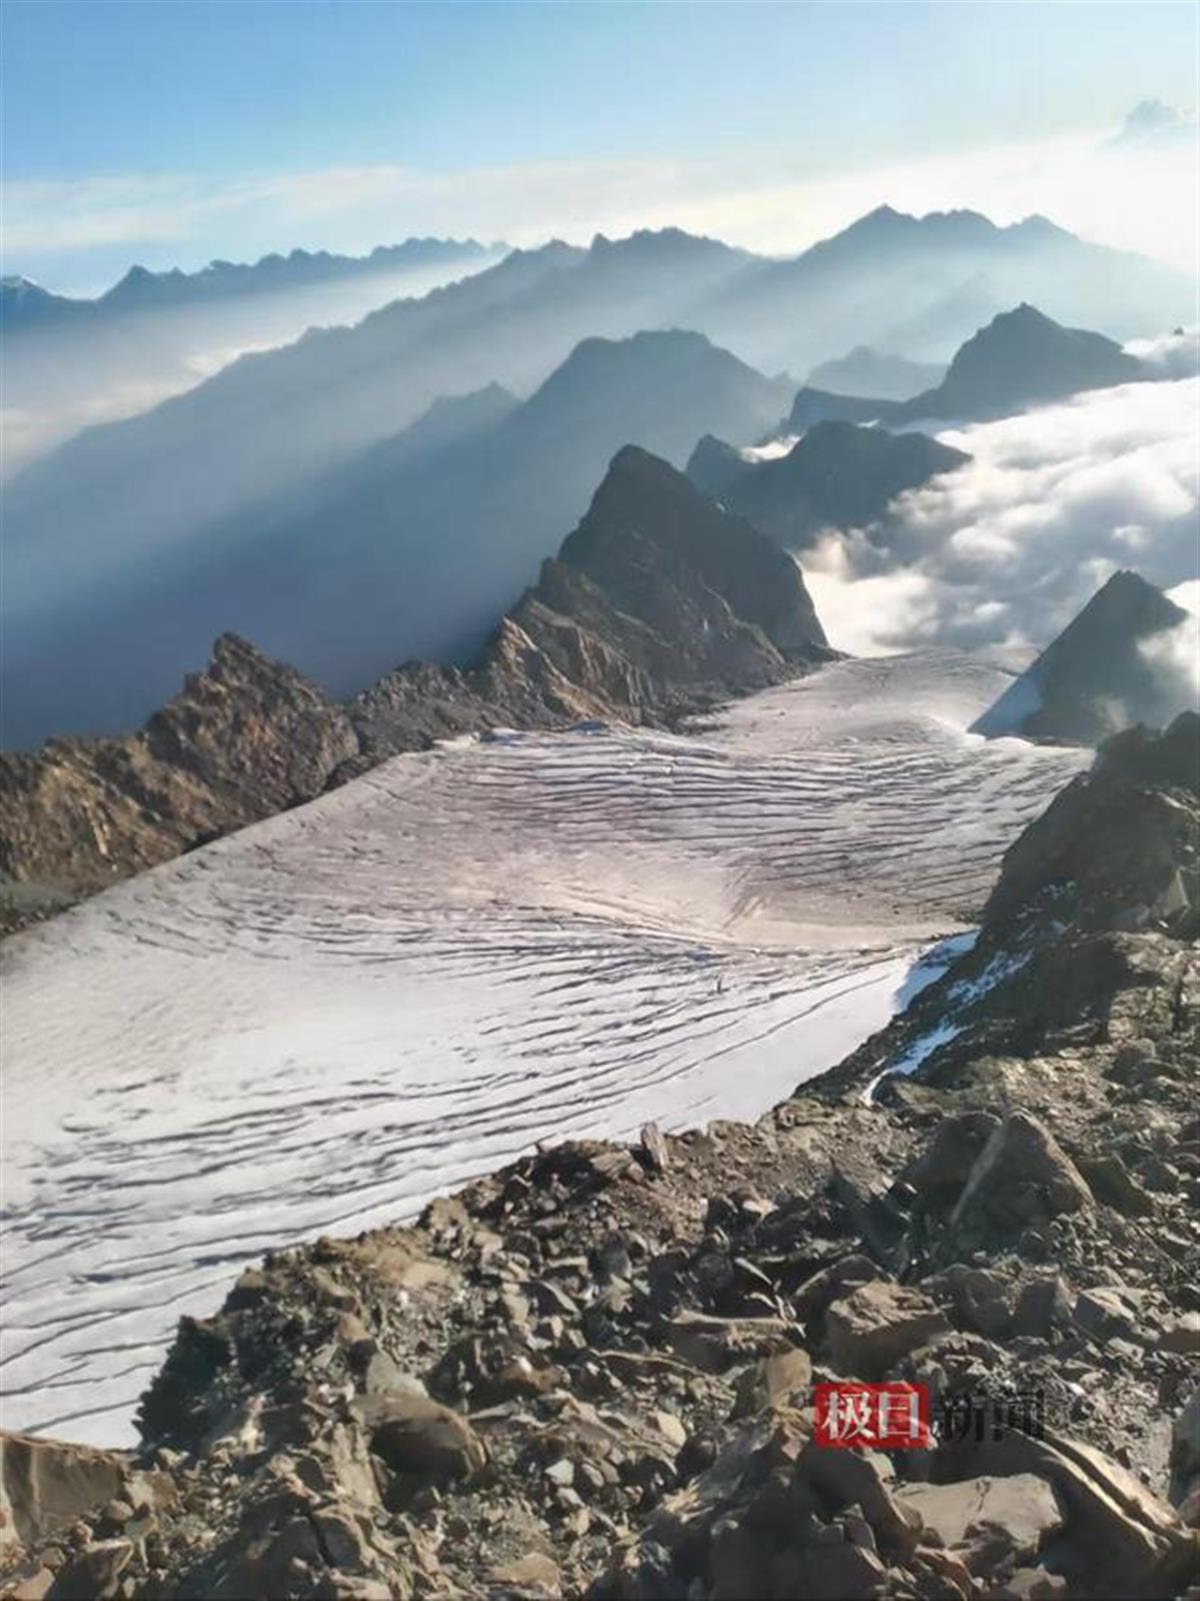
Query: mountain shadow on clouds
1104,672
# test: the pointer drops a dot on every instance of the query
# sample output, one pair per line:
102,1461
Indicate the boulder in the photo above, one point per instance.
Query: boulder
1104,1313
1117,1531
783,1378
1021,1177
838,1571
1182,1334
416,1437
989,1523
1043,1305
534,1575
872,1329
945,1164
860,1479
46,1485
1029,1584
1111,1181
983,1300
828,1284
94,1574
714,1344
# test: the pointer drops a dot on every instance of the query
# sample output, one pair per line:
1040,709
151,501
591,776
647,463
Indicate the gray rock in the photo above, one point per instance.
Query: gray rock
877,1325
93,1575
415,1436
783,1378
988,1523
1022,1176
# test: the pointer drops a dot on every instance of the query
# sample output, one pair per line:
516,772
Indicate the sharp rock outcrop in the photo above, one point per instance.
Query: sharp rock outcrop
1113,666
243,739
660,604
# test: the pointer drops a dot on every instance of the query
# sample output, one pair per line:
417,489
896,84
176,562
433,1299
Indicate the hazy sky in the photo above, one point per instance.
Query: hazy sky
175,132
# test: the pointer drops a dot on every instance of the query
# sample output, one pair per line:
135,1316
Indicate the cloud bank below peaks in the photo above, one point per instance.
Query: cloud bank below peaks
1005,551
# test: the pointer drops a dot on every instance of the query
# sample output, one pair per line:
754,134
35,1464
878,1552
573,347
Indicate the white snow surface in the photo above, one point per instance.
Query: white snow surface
321,1022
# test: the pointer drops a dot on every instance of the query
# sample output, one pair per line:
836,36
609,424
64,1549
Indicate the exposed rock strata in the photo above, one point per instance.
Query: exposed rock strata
242,740
659,604
591,1372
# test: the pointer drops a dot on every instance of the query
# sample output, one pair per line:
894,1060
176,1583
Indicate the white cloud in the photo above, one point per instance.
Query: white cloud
1007,550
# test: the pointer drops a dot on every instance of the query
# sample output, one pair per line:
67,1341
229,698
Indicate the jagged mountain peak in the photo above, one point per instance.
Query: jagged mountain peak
837,475
1019,359
651,356
644,500
1097,677
669,241
1026,345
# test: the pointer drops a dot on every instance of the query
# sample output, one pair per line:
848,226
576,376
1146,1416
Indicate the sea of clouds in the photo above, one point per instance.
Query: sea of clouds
1005,551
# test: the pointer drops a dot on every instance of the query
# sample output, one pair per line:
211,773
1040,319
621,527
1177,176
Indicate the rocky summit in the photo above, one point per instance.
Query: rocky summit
660,604
594,1373
1021,359
1113,666
244,739
837,475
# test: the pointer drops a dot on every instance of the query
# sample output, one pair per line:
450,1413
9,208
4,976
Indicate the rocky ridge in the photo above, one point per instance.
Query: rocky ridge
660,604
592,1373
837,475
1022,358
244,739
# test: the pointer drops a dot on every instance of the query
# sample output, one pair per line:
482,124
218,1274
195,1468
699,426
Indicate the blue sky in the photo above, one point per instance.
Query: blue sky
174,132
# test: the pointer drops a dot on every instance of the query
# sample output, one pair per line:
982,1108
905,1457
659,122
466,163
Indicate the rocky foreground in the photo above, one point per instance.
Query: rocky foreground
592,1373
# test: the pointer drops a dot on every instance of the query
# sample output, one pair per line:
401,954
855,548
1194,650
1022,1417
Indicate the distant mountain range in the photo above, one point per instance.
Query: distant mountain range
657,605
919,286
1101,674
412,548
256,500
1021,359
73,363
25,305
837,475
864,371
258,425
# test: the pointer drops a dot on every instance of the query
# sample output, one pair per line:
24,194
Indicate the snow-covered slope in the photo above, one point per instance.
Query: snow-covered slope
320,1022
